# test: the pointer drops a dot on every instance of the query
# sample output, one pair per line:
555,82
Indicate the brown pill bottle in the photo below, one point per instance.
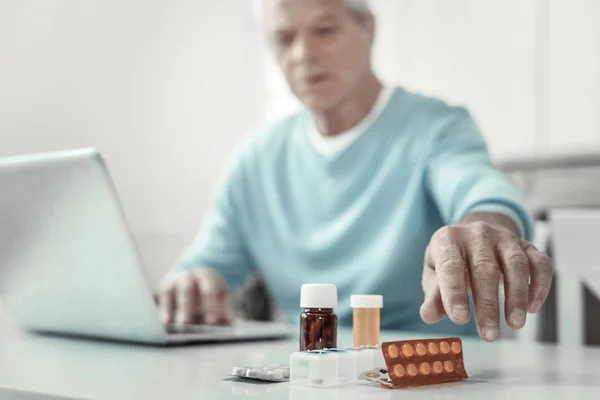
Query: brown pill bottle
366,319
318,322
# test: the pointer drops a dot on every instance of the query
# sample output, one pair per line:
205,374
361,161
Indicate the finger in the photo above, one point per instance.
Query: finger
541,276
215,303
166,305
428,279
186,298
515,266
432,309
216,307
226,311
220,312
485,275
446,257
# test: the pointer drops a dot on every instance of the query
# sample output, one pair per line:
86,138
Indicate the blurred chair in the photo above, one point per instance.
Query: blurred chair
551,187
576,239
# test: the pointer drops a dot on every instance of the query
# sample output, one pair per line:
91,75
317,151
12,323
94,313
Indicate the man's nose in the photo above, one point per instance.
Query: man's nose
304,49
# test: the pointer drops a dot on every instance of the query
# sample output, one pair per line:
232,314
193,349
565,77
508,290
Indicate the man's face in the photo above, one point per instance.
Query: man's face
322,49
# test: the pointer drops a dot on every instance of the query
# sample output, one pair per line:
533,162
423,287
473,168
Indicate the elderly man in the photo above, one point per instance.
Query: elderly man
370,187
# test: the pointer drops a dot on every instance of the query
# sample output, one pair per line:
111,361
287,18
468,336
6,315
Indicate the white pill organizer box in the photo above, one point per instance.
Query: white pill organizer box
331,367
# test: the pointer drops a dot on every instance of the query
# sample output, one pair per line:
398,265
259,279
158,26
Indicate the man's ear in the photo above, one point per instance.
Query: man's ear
369,23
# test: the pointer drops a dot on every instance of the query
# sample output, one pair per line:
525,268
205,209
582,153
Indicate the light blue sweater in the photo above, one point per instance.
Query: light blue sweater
360,220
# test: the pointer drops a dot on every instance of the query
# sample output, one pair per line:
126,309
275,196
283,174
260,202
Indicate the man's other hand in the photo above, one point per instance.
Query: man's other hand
478,256
194,296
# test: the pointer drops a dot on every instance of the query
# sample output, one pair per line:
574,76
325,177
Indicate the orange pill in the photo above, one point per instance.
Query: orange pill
393,351
456,348
438,367
433,349
399,370
421,349
425,368
407,350
448,366
412,369
445,347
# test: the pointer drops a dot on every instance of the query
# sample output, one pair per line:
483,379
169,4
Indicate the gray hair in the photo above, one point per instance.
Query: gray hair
360,8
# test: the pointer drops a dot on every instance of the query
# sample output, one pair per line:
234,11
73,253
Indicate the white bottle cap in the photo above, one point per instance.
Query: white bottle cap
366,301
318,296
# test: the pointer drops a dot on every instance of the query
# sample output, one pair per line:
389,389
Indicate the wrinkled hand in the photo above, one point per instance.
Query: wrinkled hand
479,256
195,296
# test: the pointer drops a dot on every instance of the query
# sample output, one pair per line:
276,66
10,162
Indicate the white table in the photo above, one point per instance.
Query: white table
99,370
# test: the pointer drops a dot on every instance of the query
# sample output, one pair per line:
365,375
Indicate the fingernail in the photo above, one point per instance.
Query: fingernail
210,319
490,332
517,317
460,312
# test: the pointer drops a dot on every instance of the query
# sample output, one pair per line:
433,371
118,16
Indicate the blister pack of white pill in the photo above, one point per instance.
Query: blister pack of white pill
274,373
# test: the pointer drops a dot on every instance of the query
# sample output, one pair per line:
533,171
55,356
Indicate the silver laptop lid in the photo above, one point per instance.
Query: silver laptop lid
68,263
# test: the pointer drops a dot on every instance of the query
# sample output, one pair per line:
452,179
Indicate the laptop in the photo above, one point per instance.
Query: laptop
69,264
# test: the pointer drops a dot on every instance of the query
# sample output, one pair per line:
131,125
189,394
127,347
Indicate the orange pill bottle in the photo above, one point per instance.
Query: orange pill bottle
366,319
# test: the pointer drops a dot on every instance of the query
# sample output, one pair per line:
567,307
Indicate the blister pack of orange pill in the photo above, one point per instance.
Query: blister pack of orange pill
413,363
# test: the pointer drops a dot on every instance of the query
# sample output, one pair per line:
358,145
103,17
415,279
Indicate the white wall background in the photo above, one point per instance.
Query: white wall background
164,89
472,52
574,76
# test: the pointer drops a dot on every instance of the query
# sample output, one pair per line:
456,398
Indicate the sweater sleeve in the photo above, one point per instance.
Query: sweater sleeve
462,179
221,243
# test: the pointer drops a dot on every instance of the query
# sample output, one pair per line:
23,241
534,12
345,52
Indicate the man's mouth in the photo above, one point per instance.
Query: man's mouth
315,79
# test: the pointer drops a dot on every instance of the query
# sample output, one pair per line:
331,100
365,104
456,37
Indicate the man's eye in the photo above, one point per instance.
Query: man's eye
326,30
284,40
